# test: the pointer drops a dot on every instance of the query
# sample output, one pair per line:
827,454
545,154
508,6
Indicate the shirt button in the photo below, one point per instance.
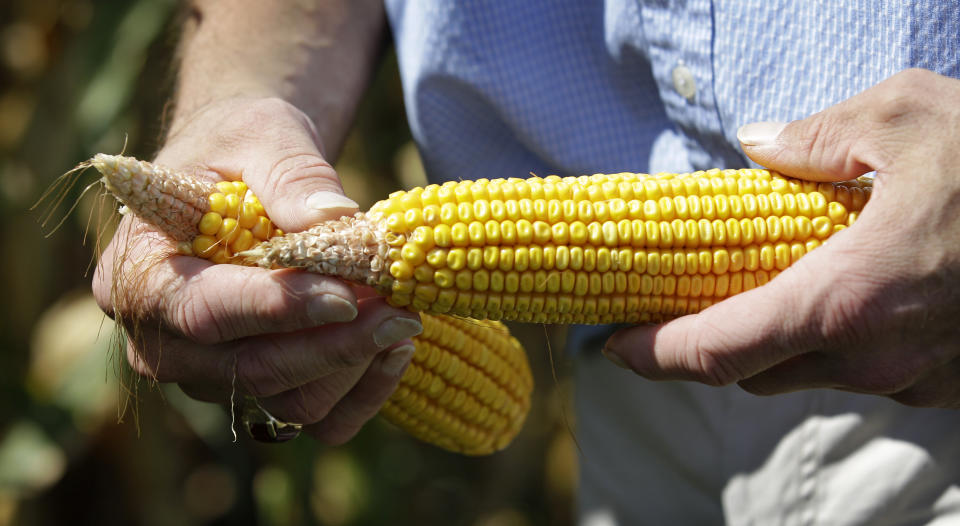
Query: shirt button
683,82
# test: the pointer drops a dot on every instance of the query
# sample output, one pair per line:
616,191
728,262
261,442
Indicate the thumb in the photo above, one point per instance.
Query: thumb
300,192
275,149
822,147
297,186
873,130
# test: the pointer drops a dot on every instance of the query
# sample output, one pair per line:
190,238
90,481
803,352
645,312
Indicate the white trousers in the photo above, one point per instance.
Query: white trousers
685,454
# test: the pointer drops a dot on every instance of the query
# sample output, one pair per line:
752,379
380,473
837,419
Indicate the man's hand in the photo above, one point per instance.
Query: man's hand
874,310
313,349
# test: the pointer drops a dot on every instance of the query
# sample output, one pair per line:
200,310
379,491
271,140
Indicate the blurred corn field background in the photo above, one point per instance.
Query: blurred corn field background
79,77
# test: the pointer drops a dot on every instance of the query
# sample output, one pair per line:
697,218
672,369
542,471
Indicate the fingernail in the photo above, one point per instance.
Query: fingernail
616,359
397,360
327,308
760,133
394,330
330,201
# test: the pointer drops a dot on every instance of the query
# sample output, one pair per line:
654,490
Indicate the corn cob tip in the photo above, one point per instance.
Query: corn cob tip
352,248
171,201
256,253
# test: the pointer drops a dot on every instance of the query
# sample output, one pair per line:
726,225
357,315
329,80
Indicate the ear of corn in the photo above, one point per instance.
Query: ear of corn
593,249
468,387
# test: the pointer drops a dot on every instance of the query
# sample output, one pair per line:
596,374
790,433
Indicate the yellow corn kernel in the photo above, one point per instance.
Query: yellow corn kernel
210,223
218,203
228,230
262,229
248,215
233,206
203,244
242,241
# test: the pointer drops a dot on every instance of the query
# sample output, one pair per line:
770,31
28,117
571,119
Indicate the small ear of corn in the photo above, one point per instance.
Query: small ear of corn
469,384
467,389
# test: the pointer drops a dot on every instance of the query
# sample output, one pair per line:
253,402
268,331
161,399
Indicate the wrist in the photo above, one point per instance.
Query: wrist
316,56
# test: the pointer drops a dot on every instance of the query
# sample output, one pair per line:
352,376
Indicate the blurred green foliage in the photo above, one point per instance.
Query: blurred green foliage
82,76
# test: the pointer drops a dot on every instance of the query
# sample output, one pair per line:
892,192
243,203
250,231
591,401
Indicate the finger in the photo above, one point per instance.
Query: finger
271,364
814,148
866,132
917,375
274,148
351,396
733,339
366,398
338,404
306,358
210,303
310,402
807,371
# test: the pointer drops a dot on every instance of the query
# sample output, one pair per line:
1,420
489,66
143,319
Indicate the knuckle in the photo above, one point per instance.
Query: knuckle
306,408
348,356
275,309
904,95
826,137
296,164
257,375
711,364
195,318
713,369
911,78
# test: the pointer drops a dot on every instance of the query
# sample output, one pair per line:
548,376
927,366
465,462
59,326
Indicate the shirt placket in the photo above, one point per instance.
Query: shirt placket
679,38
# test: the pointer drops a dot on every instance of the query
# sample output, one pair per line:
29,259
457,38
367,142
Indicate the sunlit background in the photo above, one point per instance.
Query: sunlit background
79,77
